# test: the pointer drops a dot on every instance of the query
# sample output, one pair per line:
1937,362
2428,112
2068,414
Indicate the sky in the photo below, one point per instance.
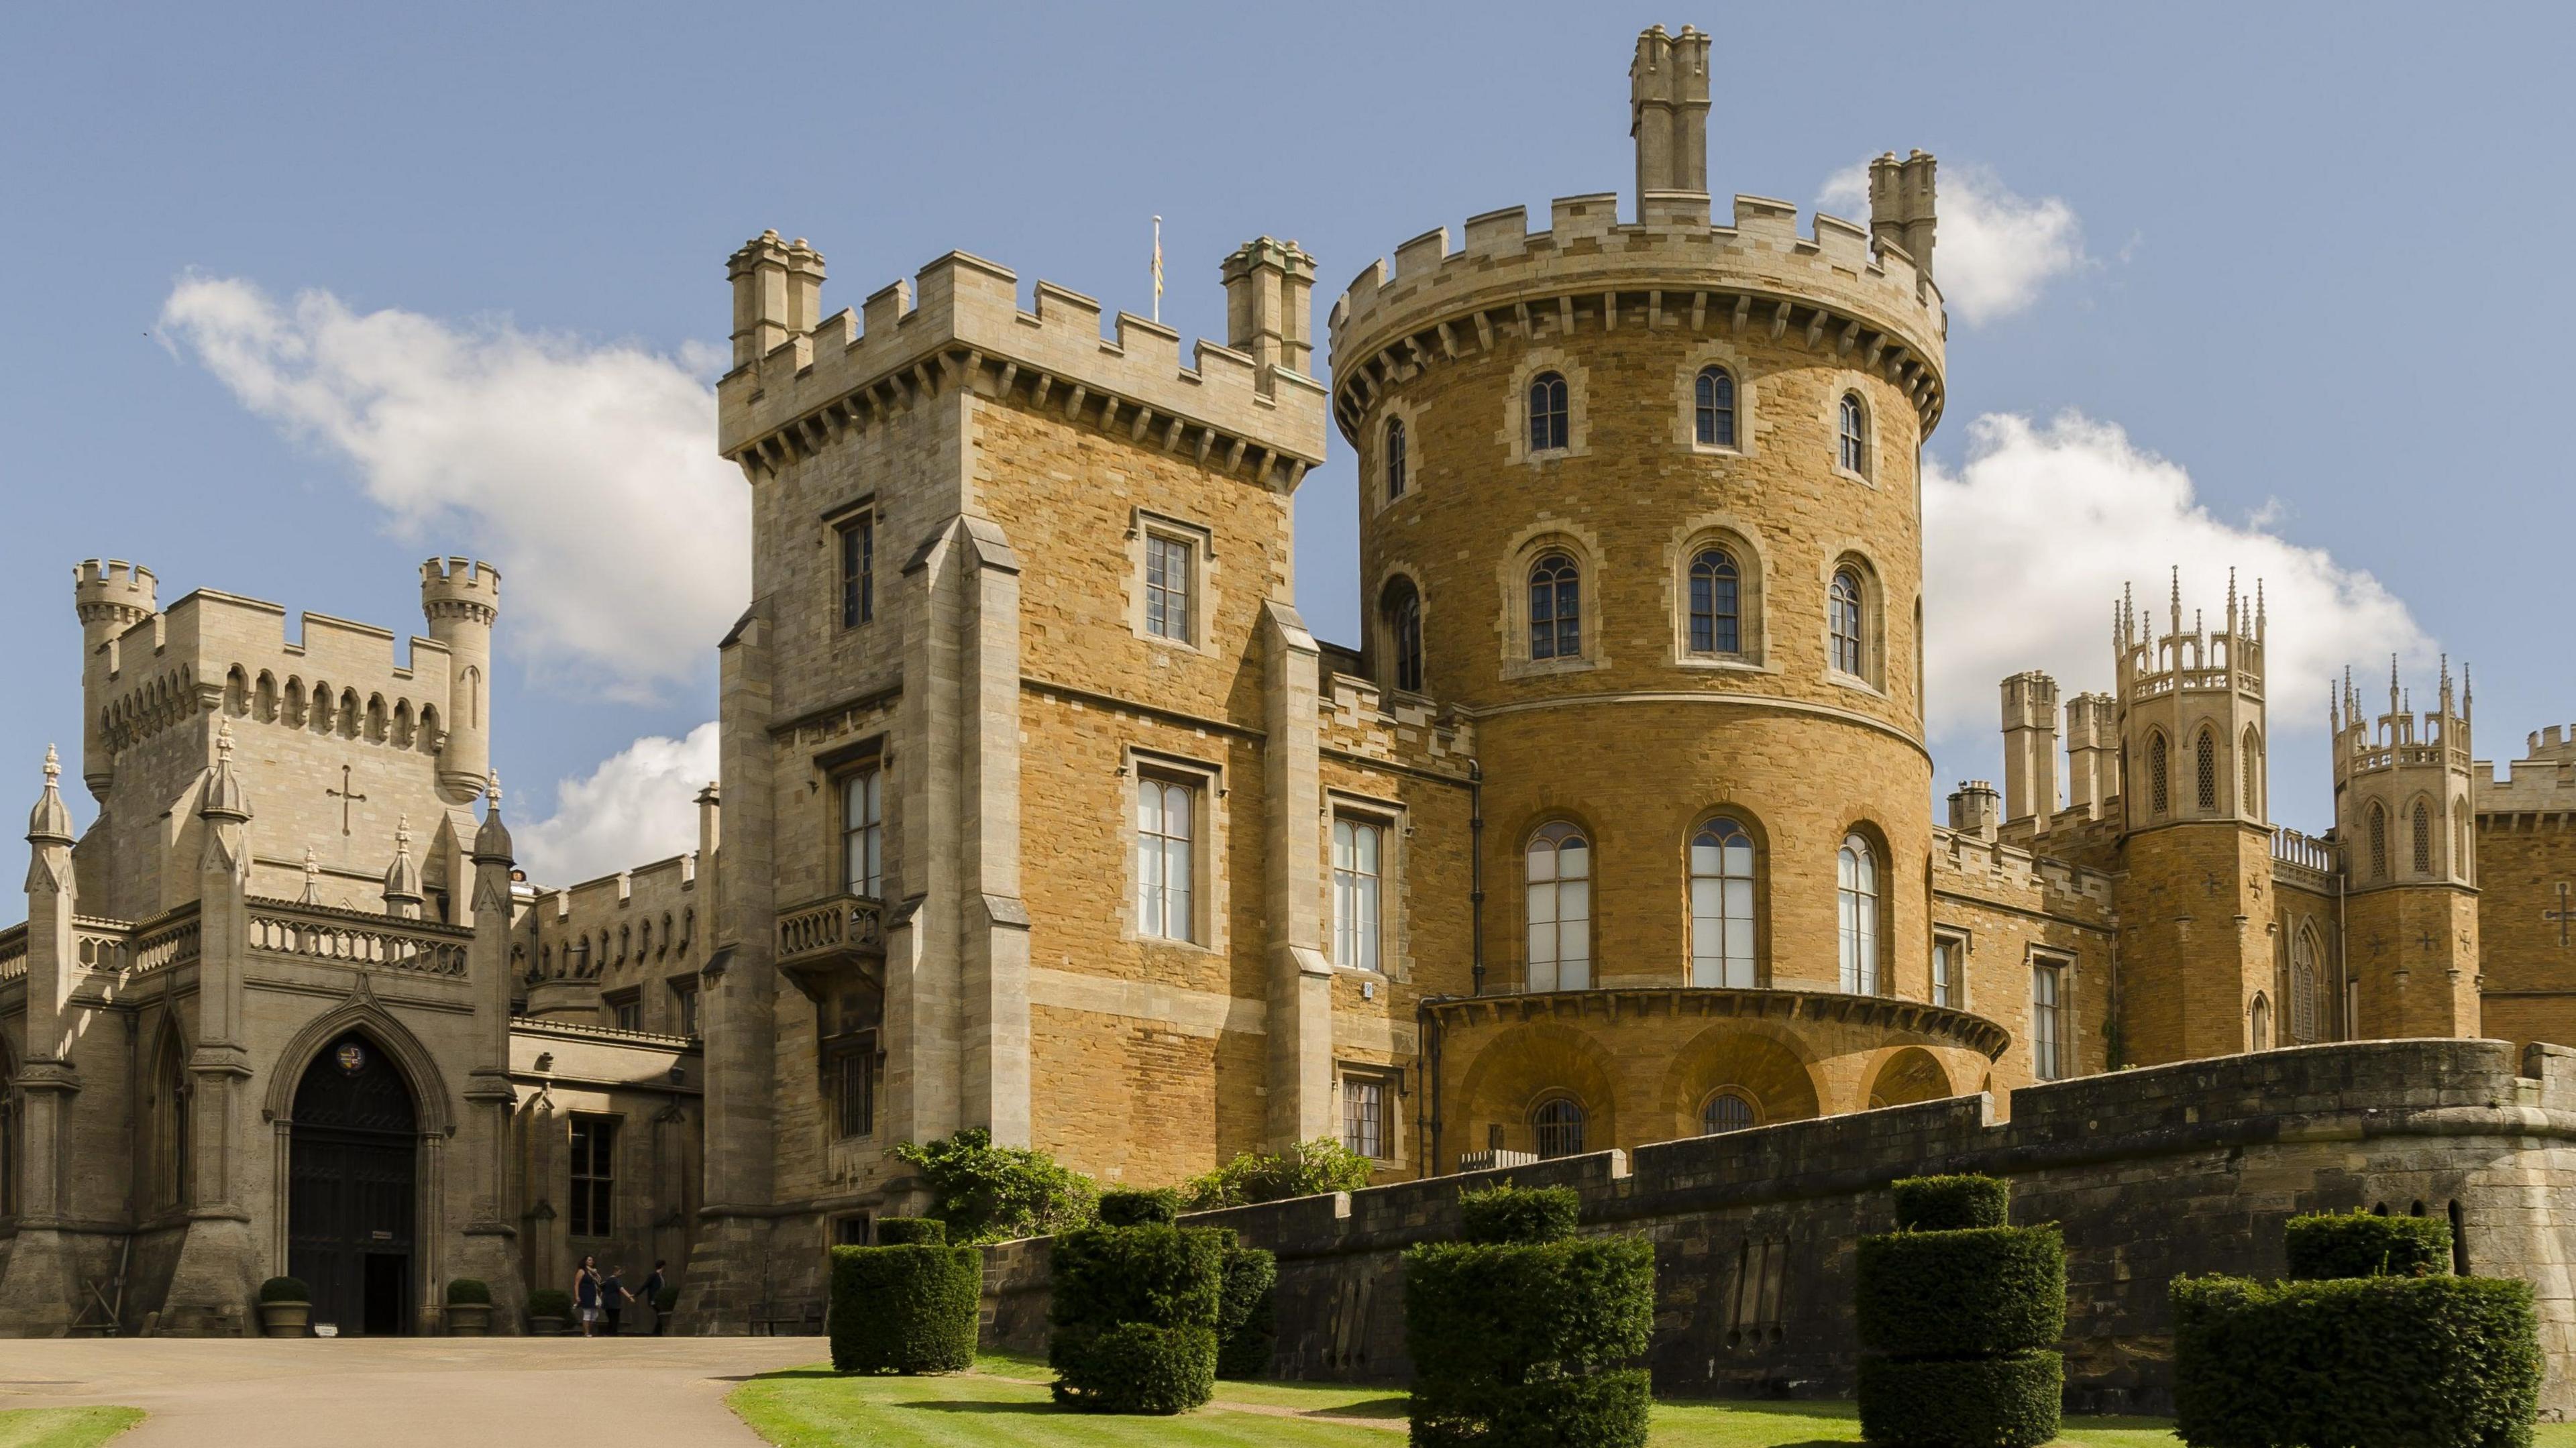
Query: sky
296,296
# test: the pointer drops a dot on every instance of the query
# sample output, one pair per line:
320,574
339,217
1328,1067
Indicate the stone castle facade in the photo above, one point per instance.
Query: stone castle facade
1043,812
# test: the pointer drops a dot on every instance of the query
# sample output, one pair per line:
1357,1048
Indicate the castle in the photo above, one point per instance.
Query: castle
1043,812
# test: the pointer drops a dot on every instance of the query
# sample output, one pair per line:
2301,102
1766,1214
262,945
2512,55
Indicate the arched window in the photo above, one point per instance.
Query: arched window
1714,408
1854,435
2303,987
2460,858
1556,608
1403,613
1547,414
2423,838
2205,771
2259,1024
2252,749
1856,882
1557,1123
1395,461
2159,793
1721,899
1559,900
169,1116
1716,609
1729,1110
1843,618
2378,842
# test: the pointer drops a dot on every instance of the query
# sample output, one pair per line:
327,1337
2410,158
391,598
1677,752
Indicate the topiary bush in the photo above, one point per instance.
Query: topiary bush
2329,1245
908,1305
1246,1315
1307,1169
2394,1352
551,1302
988,1193
285,1289
1960,1317
1522,1334
469,1292
1136,1308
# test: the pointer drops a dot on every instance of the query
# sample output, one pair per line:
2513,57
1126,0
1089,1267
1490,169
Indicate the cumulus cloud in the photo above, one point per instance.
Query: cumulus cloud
1995,251
639,806
2029,542
585,472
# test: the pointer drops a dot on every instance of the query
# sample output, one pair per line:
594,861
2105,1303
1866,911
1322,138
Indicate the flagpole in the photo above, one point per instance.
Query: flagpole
1158,269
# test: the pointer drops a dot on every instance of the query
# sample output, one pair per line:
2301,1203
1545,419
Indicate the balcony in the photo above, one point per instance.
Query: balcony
830,938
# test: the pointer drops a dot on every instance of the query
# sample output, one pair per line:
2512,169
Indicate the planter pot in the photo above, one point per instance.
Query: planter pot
285,1319
469,1319
545,1326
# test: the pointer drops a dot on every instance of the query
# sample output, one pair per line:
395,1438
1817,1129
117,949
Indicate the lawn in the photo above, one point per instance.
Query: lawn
1004,1404
64,1427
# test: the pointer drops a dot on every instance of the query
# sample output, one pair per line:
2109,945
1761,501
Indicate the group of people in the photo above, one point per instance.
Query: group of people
599,1299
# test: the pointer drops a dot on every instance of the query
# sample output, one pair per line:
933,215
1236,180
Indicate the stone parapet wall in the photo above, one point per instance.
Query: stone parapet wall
2189,1168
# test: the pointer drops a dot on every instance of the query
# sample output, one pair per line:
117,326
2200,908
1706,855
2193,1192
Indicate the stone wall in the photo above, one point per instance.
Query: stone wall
2187,1168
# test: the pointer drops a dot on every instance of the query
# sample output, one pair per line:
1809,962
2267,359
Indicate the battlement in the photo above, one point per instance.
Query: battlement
2542,782
2401,738
959,323
113,590
1830,290
468,585
1984,861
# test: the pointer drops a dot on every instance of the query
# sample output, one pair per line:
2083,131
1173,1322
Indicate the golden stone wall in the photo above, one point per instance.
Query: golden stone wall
2525,929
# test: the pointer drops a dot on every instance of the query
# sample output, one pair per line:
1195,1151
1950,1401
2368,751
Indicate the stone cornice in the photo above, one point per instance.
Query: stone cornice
1941,1024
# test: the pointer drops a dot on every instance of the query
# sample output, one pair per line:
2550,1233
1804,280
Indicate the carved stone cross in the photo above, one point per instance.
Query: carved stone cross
346,796
2562,914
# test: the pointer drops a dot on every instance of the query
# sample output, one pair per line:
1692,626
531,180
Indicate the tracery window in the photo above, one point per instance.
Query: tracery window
1856,891
1716,610
1166,829
1721,897
1853,430
1556,608
2205,771
1557,1124
2159,793
2423,838
1395,459
1356,881
1713,422
2303,987
1843,617
1547,412
1558,897
2378,842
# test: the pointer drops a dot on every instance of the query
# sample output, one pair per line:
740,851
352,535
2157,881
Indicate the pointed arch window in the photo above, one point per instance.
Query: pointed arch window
2460,857
1558,897
2423,838
1395,459
1402,610
2259,1026
1557,1126
1547,412
2205,771
2303,987
1713,398
1716,603
2159,790
1844,621
1853,435
2252,803
2378,842
1555,608
1856,889
170,1091
1721,899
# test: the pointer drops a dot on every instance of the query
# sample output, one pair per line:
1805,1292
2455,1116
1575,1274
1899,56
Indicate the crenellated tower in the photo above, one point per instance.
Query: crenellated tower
110,596
2404,815
462,600
2195,939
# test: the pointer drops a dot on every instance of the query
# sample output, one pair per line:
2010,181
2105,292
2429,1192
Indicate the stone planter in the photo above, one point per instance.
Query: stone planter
469,1319
285,1319
545,1327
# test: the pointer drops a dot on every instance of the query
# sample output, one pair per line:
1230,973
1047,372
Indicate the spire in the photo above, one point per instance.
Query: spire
224,799
2258,610
2394,694
49,823
492,841
2334,715
312,878
2177,600
402,878
2231,607
2468,693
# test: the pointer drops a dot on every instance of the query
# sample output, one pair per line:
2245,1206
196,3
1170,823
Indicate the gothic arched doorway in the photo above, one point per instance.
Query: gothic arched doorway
353,1163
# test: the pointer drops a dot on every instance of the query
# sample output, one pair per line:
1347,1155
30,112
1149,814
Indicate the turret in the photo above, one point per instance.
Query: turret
2404,815
2030,747
777,294
1900,205
2191,713
110,596
1269,314
462,600
1975,809
1668,112
2092,753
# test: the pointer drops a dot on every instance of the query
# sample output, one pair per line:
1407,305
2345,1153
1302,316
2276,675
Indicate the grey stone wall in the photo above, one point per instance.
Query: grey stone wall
2190,1168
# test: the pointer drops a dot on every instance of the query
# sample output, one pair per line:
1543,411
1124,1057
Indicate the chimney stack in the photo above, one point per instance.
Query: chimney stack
1668,112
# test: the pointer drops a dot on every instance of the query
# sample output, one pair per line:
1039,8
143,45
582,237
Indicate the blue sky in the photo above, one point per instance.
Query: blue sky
297,296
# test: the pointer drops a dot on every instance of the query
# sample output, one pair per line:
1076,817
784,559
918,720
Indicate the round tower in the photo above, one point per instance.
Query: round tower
110,596
1641,499
462,600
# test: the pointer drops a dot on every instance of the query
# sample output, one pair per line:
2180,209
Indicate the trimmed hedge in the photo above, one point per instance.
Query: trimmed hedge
1969,1293
2330,1245
1247,1322
1522,1336
469,1292
906,1308
285,1289
1138,1208
1135,1311
911,1232
2359,1362
1962,1403
1951,1203
550,1302
1507,1214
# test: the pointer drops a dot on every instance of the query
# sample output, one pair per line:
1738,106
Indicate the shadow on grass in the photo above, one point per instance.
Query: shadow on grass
1395,1407
783,1374
976,1405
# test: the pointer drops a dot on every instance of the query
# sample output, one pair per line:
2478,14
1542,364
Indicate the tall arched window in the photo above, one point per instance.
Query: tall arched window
2259,1027
2460,858
1559,899
169,1110
1843,619
1716,606
1714,419
2303,987
2378,842
1854,435
1403,610
1557,1125
1729,1110
1395,461
1721,898
2205,771
1556,608
2159,791
2252,749
2423,838
1547,412
1856,882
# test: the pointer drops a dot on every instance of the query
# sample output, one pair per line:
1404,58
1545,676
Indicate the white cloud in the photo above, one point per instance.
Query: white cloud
585,472
2029,543
639,806
1994,252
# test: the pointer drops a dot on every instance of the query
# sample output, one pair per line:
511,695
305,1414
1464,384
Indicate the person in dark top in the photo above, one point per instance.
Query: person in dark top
613,1297
653,1286
585,1295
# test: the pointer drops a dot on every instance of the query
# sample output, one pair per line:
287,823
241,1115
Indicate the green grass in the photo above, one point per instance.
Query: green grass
64,1427
1004,1404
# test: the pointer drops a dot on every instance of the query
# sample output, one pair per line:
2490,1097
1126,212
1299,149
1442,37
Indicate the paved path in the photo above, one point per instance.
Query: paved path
496,1392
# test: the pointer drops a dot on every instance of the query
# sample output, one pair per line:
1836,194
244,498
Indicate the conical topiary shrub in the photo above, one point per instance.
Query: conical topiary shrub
1135,1309
907,1305
1522,1334
1247,1325
1960,1316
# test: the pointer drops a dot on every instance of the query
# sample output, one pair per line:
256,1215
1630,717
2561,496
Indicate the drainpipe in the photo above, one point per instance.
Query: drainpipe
1426,1133
1476,872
